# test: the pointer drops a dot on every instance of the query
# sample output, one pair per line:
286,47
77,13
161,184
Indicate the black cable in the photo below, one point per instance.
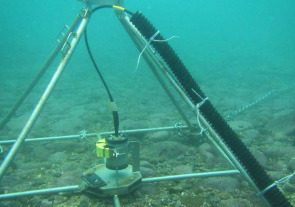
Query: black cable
112,102
96,67
114,112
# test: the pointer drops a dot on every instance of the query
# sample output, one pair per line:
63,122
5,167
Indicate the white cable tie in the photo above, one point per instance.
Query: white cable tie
283,180
197,107
166,40
152,39
147,44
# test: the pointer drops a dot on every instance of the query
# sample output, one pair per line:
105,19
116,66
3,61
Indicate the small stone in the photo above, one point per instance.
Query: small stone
260,157
59,200
236,202
183,169
291,165
158,136
146,172
46,203
84,201
289,188
178,204
175,189
222,184
240,125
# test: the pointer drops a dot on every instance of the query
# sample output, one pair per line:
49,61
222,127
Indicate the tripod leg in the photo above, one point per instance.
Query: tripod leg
39,75
71,43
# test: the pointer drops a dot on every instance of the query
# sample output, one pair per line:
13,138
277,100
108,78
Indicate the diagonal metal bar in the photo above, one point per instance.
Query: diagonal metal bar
25,131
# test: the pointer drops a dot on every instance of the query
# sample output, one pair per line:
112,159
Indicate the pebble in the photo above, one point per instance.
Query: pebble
158,136
183,169
240,125
260,157
235,203
222,184
289,188
84,201
291,165
46,203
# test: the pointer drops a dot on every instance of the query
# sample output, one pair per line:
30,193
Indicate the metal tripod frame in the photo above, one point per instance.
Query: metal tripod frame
67,45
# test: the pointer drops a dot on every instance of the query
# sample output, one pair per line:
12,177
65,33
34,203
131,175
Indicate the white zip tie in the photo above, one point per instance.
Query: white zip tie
152,39
283,180
170,38
197,107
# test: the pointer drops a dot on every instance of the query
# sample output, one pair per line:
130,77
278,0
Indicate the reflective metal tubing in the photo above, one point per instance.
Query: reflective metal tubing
116,198
94,134
38,192
49,138
116,201
194,175
10,156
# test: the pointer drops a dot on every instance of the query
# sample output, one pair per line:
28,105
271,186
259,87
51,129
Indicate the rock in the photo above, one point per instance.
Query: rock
192,200
67,126
46,203
57,157
59,199
276,175
260,157
183,169
240,125
249,136
275,150
132,124
289,188
147,164
148,188
158,136
37,182
235,203
69,178
207,153
277,166
227,184
291,165
10,203
84,201
175,189
178,204
146,172
282,122
166,150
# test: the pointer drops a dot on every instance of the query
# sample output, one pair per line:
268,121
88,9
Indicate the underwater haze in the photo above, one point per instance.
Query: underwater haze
241,53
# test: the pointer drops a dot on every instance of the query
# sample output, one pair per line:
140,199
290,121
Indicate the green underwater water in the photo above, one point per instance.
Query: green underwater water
237,51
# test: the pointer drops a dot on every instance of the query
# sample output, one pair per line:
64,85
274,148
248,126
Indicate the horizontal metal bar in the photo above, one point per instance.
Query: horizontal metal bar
49,138
145,180
145,130
93,134
116,201
194,175
38,192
